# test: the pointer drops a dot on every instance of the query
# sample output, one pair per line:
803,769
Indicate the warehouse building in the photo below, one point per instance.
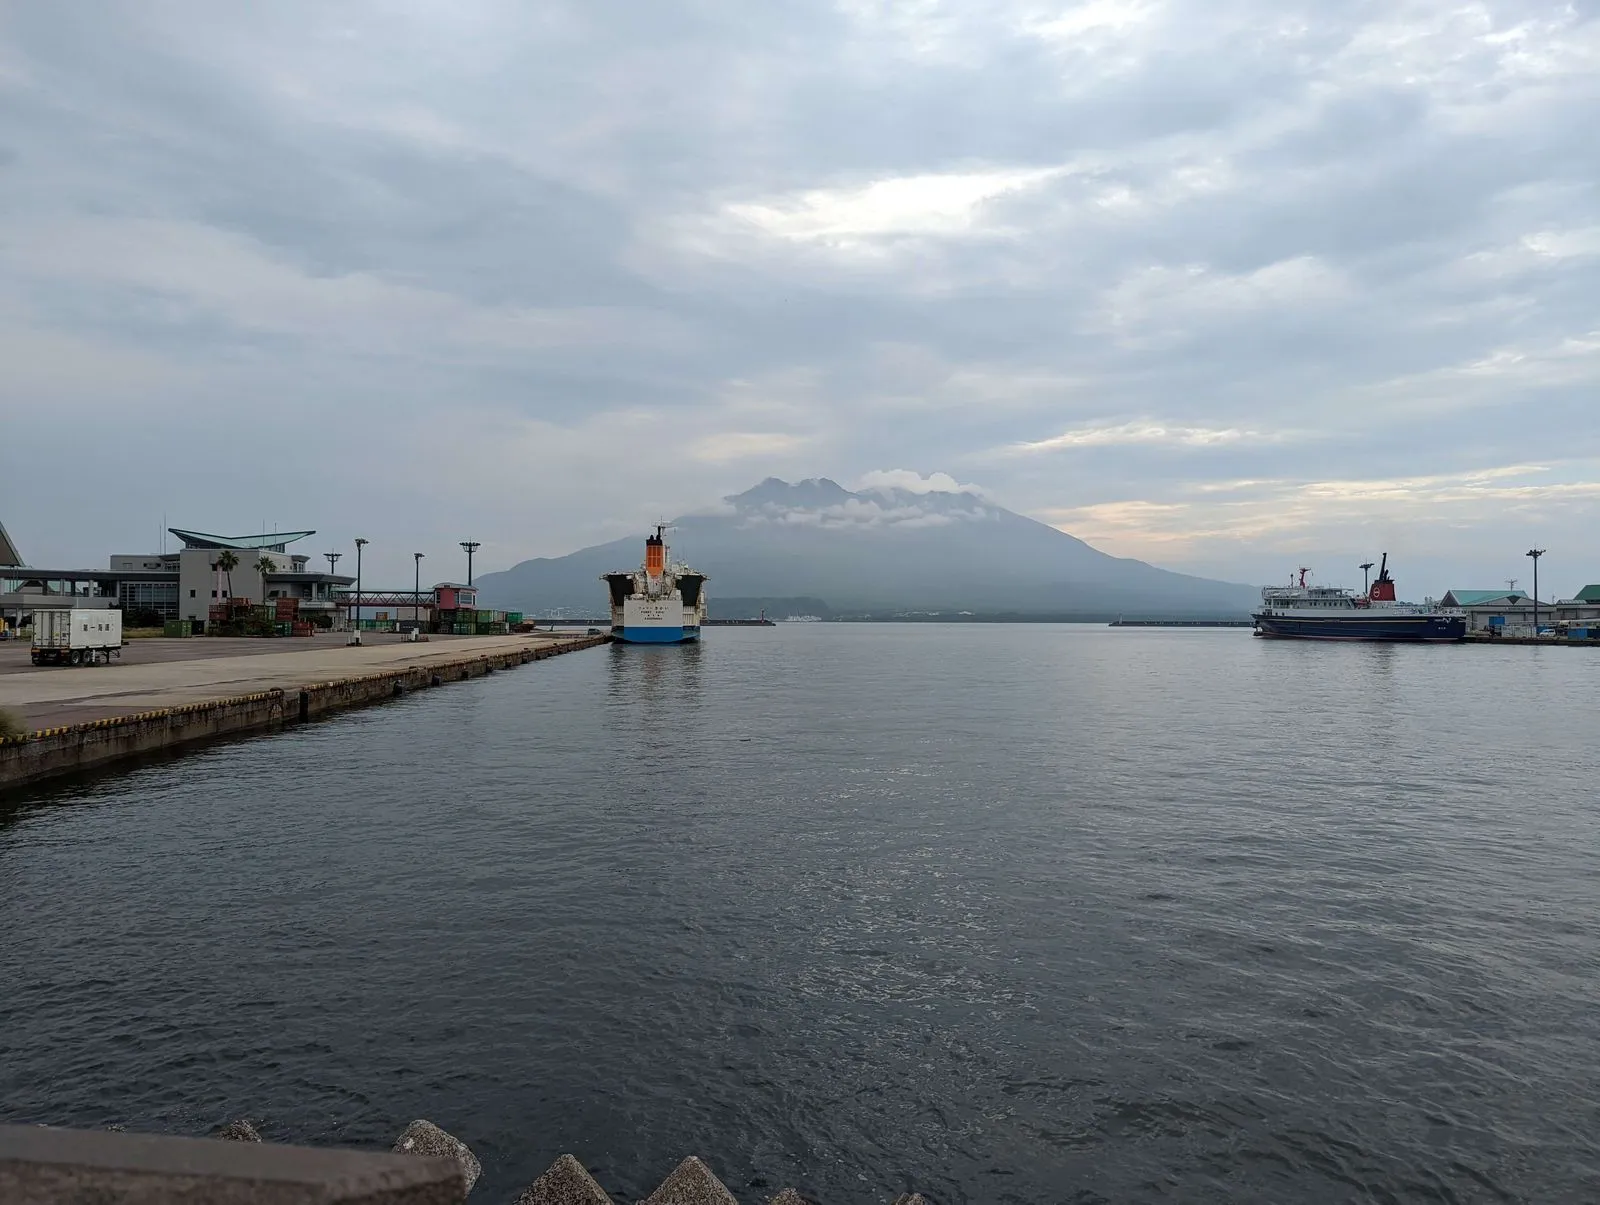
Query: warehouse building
1513,611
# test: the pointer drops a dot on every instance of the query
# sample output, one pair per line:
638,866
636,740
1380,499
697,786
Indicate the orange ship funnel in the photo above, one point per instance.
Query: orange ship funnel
655,556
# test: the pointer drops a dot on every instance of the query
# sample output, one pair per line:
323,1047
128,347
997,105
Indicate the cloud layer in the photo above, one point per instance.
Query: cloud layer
1224,284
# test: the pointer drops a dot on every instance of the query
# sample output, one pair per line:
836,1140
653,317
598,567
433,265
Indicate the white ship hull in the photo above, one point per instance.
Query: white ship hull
651,621
661,603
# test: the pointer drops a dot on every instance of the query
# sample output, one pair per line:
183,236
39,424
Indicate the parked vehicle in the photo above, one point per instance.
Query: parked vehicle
76,637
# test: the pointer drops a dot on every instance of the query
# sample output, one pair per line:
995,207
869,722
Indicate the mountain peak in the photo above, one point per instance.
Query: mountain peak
813,491
900,541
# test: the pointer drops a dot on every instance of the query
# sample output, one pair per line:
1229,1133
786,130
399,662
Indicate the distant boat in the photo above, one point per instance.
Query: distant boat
1303,612
804,619
660,603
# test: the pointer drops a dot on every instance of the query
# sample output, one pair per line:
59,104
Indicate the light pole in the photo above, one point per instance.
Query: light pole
471,546
1366,574
416,589
1535,553
356,638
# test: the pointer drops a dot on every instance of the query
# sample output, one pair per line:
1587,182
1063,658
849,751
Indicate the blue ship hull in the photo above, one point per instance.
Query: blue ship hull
641,635
1431,629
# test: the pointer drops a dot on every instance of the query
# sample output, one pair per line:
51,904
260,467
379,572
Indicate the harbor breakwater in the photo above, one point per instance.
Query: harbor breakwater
426,1166
72,748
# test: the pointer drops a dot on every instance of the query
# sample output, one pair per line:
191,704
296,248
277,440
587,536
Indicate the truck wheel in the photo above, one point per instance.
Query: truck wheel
75,657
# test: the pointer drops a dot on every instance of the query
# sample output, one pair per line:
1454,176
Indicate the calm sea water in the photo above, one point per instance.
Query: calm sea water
1007,914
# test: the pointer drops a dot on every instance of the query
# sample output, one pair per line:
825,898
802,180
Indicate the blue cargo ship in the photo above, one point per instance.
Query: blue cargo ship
1303,612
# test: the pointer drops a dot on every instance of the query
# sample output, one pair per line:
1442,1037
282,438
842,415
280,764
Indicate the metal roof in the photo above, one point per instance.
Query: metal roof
8,551
1484,598
1589,594
267,542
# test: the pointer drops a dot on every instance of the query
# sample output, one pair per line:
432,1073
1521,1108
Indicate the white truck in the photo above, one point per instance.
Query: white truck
63,636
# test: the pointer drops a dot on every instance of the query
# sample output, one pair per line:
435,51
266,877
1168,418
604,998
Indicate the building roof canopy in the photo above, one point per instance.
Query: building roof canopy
270,542
1589,594
8,551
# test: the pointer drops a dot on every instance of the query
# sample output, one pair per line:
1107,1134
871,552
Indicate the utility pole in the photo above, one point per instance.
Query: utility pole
416,589
356,623
471,546
333,562
1535,553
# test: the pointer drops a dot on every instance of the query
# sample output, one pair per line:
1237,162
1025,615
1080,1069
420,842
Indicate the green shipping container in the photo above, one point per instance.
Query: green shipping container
176,629
513,616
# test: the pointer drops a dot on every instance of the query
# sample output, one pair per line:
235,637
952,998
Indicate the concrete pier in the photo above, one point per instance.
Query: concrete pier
170,693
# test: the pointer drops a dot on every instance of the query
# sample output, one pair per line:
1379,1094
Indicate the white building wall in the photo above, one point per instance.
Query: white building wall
200,587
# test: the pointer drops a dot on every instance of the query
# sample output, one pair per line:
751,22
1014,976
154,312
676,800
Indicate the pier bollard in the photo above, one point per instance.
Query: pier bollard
422,1137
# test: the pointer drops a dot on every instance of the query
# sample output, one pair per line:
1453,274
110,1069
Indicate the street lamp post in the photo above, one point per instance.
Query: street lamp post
416,589
356,624
1535,553
471,546
1366,574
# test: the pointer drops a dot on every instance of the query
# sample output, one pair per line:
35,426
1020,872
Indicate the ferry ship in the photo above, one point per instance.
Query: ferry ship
1302,612
659,603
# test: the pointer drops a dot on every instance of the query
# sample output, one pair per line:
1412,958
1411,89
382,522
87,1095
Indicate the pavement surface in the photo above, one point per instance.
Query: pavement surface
156,673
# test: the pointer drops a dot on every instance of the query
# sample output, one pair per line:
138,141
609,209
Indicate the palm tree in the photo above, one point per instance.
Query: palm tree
227,562
265,565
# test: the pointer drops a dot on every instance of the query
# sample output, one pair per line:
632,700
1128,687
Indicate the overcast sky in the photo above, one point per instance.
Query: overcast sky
1223,284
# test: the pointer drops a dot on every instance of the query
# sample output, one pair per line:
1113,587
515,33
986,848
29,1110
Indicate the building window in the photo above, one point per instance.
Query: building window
191,594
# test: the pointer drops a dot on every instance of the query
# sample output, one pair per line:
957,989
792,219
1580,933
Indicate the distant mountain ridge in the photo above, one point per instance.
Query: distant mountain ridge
878,551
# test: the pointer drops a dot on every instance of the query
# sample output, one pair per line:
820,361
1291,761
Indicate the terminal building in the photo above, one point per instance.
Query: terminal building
184,584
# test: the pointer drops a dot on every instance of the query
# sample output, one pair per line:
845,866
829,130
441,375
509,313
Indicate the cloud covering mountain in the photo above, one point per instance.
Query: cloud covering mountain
909,545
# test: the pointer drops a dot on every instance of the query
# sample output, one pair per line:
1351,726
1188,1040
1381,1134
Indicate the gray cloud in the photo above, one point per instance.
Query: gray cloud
541,273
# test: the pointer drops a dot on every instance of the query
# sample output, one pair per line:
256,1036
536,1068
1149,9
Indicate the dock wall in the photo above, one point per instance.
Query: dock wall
77,747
